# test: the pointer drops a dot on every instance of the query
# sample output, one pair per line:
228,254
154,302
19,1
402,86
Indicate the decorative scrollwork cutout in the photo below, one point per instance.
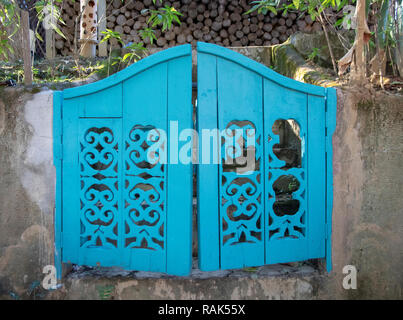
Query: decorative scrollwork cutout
99,188
287,201
241,208
285,145
144,188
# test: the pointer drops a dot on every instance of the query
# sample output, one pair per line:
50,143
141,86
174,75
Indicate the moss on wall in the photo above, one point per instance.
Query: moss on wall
288,62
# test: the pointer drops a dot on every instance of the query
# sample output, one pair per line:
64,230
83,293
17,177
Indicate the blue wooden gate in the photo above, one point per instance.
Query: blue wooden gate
118,202
246,216
123,198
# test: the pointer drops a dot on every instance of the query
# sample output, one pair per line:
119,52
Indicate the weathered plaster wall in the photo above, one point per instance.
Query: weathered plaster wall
27,182
368,206
367,215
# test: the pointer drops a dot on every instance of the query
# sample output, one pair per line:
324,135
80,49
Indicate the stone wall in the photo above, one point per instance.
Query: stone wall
367,213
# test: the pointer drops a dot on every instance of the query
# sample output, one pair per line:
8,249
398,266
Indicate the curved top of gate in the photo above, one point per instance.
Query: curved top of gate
129,72
259,68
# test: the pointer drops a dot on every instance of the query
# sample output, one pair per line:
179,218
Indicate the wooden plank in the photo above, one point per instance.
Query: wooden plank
212,49
281,103
144,111
106,103
331,113
121,187
179,180
316,177
132,70
240,108
57,161
207,182
71,186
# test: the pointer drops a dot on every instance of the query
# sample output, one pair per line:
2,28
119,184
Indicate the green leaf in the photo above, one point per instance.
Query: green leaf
126,56
313,17
254,8
272,9
177,19
338,22
58,31
38,36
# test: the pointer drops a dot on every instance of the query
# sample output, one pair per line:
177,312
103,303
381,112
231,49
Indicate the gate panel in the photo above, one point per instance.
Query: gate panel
285,235
70,184
145,127
106,103
207,199
180,173
316,150
240,184
100,191
275,210
115,180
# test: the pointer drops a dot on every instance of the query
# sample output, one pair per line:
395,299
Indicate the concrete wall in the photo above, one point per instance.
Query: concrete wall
27,188
367,215
368,205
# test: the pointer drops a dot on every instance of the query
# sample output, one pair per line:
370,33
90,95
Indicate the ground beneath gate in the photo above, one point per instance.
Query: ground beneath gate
279,281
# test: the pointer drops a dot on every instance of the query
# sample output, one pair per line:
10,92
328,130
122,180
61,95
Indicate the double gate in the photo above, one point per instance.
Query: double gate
124,192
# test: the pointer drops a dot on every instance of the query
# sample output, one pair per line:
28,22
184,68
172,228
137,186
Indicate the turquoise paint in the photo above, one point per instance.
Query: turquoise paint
236,91
234,102
207,185
114,206
104,180
331,113
57,161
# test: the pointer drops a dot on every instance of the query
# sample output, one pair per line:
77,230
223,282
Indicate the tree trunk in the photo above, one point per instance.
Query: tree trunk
359,66
26,48
328,43
399,37
102,47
